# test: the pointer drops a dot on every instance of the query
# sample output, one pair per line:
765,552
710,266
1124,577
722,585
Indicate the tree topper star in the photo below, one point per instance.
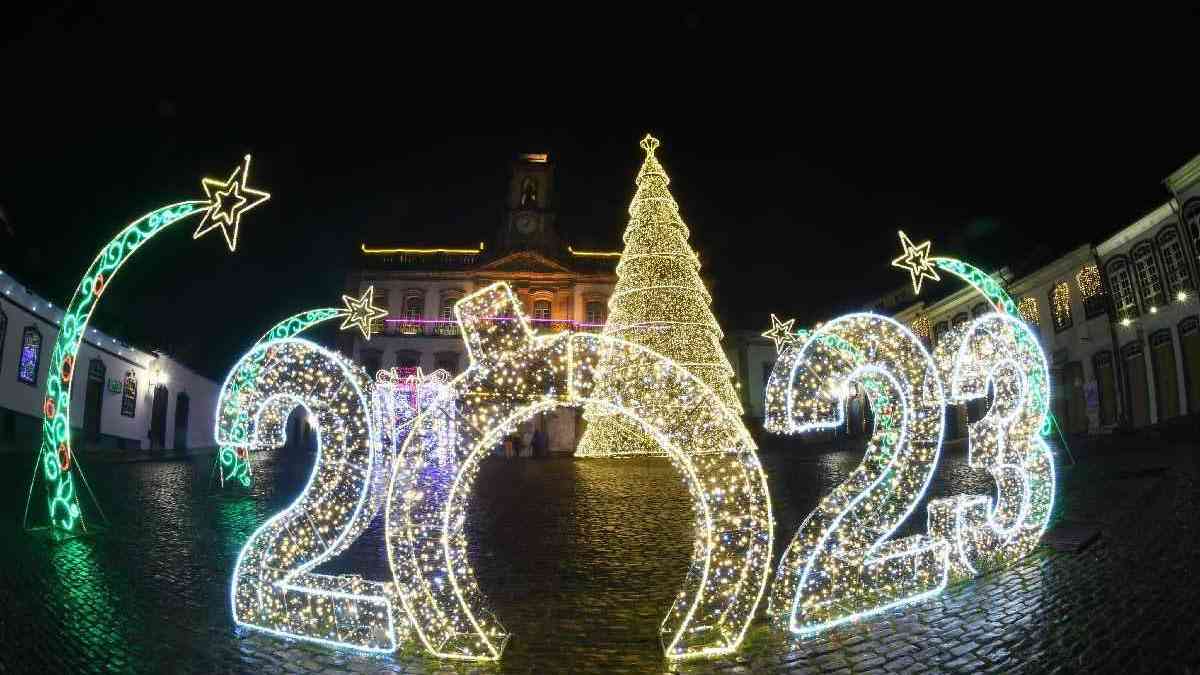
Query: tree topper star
362,311
781,333
916,260
227,201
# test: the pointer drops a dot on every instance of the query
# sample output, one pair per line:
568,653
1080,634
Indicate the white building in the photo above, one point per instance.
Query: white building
122,397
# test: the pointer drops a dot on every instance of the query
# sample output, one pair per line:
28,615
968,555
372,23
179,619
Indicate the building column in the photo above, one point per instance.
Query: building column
1151,384
1180,377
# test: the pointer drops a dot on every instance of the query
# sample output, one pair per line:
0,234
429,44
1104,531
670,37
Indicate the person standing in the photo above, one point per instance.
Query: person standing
527,443
539,443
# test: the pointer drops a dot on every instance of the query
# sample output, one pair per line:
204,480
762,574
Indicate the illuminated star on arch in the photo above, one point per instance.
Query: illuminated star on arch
362,311
227,201
916,260
781,333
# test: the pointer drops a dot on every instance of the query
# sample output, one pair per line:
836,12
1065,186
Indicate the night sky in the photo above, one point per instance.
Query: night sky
796,145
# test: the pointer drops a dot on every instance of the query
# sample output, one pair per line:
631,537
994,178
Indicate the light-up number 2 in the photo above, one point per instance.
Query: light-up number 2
1001,351
274,588
841,565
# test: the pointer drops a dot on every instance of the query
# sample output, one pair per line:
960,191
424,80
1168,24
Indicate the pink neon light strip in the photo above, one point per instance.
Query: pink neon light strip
581,324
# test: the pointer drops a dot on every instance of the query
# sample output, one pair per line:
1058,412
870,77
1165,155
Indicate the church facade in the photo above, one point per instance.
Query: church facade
559,288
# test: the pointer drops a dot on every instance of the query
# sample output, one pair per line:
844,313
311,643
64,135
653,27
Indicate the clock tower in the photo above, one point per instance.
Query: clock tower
529,215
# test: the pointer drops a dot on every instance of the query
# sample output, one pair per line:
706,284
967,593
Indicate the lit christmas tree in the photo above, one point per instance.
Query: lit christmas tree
661,303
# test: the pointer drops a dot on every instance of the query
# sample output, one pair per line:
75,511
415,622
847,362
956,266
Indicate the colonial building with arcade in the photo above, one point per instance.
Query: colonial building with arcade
559,287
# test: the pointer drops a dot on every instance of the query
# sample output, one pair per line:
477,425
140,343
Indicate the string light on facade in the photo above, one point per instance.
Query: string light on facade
1029,311
920,326
1062,304
659,302
514,374
1088,280
1002,353
274,588
222,207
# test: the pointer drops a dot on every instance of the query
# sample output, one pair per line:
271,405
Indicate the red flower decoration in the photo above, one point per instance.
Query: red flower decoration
48,408
240,452
64,456
98,285
68,368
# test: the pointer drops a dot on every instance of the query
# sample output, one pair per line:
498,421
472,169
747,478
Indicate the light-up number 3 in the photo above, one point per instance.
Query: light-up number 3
841,566
1001,351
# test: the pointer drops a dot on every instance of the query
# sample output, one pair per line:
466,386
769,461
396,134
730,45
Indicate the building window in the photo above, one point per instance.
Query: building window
1060,303
1092,291
959,319
379,326
31,356
920,326
1120,283
541,311
980,309
414,312
447,325
1175,265
447,361
1191,220
372,360
408,360
939,330
3,332
129,395
1148,278
593,313
1028,307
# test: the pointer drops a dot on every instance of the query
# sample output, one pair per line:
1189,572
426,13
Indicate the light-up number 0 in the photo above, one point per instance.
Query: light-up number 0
841,566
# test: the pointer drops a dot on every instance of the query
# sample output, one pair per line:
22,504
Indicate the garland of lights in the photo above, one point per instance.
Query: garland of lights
661,303
226,202
1000,351
233,462
274,588
840,566
514,375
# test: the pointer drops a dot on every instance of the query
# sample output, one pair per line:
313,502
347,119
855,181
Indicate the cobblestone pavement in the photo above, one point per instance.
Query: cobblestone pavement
582,558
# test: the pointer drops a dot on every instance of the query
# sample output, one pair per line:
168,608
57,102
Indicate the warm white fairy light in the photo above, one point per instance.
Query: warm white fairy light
1088,280
1002,352
1062,304
1028,307
840,566
920,326
659,302
273,587
514,375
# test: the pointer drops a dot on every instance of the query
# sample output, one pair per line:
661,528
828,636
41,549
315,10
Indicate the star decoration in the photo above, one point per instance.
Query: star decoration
781,333
362,311
916,261
227,202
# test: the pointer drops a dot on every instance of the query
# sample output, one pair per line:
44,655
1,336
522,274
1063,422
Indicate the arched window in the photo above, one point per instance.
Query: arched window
1191,220
1120,283
414,312
980,309
129,394
541,311
1091,290
594,314
1148,278
446,322
371,360
940,329
1175,264
379,326
959,319
31,356
3,332
1060,306
447,361
407,360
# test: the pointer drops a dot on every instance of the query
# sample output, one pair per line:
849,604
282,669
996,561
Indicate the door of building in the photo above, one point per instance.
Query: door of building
158,419
93,401
1166,381
1189,342
183,404
1137,392
1073,398
1106,381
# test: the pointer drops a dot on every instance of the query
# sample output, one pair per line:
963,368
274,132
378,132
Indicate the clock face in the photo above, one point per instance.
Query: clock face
525,222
